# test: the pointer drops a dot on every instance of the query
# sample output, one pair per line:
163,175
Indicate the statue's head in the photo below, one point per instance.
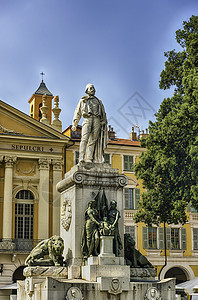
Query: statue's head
90,89
113,204
153,293
92,204
128,241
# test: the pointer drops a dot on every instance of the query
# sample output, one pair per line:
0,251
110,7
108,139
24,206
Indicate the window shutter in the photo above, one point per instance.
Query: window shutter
125,162
126,198
183,238
161,238
195,238
137,197
131,198
145,237
131,163
168,237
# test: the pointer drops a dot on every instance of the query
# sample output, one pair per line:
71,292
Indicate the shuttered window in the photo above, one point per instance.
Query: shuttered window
153,238
195,238
161,237
131,197
176,238
150,237
128,163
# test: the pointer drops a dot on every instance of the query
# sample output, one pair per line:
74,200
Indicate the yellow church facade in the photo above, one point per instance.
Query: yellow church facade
31,164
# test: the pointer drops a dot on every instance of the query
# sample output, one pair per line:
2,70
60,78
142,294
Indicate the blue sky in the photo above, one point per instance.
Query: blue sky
116,45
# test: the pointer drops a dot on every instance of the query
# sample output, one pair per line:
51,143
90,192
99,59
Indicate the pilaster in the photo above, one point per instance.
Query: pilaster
43,213
7,205
57,176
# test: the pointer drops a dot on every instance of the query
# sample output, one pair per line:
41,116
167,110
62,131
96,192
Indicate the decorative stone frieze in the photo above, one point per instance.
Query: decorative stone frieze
45,272
89,174
44,163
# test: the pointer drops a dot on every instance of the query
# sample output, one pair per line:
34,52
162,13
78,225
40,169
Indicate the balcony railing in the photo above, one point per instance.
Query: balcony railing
17,245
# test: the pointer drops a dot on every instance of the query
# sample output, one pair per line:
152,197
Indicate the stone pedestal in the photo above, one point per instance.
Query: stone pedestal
50,288
106,256
80,185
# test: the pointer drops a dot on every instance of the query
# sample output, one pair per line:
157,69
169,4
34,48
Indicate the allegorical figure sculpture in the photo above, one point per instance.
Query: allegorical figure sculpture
94,136
105,227
52,247
90,238
132,256
113,217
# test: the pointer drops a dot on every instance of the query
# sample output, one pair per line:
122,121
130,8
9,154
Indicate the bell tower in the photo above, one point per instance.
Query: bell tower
36,102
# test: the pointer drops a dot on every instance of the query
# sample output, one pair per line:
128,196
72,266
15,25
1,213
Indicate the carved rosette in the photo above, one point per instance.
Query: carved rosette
44,163
66,214
57,164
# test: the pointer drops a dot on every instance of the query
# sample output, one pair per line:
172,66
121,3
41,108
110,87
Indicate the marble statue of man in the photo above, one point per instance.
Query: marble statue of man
94,136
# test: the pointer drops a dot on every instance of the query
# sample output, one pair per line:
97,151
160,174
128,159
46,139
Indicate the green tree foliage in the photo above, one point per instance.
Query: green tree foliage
169,166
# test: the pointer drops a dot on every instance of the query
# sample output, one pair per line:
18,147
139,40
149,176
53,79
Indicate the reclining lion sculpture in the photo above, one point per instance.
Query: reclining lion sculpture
52,247
132,256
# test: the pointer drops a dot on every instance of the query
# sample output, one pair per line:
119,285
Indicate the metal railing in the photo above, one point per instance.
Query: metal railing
17,245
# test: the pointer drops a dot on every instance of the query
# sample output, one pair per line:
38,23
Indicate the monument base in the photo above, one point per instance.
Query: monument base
105,288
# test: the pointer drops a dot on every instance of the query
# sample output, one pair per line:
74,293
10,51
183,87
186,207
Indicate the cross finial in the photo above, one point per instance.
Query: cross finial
42,74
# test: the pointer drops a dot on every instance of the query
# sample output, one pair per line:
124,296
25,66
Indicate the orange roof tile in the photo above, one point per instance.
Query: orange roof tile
124,142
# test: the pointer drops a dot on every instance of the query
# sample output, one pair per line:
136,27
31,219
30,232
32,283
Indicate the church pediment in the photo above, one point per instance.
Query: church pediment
15,122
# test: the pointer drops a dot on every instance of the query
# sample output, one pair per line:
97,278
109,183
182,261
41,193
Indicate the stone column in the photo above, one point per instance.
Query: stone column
43,213
7,206
57,176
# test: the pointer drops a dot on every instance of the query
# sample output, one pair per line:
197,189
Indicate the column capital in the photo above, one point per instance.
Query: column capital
1,158
10,161
57,164
44,163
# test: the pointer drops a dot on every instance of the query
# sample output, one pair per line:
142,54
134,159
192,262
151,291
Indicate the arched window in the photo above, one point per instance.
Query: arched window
24,210
40,114
177,273
31,111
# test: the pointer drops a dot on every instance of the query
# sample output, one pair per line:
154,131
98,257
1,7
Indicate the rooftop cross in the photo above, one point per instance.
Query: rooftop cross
42,74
